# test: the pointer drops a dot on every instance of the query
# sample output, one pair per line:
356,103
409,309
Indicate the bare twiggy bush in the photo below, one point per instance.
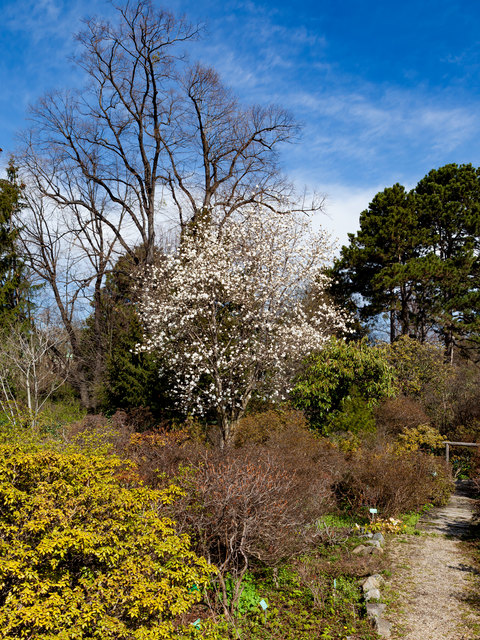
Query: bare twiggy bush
136,419
329,535
396,414
259,428
33,367
242,507
317,573
161,453
287,433
316,582
392,483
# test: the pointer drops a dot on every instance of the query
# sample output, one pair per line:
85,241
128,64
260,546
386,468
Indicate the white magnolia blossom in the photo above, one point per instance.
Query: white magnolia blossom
226,311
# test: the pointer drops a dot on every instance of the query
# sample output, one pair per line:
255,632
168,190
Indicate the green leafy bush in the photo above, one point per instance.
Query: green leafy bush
417,365
332,375
86,552
355,417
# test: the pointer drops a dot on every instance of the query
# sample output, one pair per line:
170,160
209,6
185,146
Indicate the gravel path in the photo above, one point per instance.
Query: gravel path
435,577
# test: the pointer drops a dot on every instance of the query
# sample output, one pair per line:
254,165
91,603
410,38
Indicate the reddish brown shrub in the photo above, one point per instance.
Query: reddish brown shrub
134,419
259,428
475,463
243,506
87,423
287,436
251,503
161,452
395,414
393,483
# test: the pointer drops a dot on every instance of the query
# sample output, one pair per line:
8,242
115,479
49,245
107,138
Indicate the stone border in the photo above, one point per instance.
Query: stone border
371,587
375,608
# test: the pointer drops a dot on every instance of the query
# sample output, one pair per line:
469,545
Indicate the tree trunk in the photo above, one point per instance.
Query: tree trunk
449,343
404,312
392,326
228,428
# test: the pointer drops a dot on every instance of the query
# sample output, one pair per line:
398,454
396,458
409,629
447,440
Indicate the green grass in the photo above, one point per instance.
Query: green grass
326,610
410,520
342,521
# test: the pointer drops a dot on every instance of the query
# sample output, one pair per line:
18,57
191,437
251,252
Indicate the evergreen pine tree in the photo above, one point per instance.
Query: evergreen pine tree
15,288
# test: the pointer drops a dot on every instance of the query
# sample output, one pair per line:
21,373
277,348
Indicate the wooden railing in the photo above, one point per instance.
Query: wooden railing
448,444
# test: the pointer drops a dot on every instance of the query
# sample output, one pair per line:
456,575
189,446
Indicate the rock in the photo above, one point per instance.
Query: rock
376,551
367,549
383,627
361,549
375,609
372,594
372,582
379,537
374,543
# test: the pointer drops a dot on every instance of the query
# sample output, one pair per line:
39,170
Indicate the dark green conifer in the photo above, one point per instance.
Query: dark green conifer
416,258
15,287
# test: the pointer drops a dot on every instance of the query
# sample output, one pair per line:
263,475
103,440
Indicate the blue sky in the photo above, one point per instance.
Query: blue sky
385,90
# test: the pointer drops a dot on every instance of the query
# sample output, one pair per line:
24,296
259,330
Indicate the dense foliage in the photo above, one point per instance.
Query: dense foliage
14,285
122,377
226,312
415,258
86,552
338,372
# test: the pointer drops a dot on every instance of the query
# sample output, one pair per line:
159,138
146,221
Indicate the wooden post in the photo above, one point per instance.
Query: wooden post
459,444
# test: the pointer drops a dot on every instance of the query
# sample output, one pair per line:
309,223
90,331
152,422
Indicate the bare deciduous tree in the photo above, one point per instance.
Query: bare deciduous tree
32,367
70,250
150,136
155,134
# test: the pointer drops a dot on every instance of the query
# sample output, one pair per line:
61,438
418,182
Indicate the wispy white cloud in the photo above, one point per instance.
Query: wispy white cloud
352,126
342,207
393,113
360,134
391,133
43,20
260,51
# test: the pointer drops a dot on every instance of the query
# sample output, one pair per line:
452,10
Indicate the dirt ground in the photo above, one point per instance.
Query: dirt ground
435,586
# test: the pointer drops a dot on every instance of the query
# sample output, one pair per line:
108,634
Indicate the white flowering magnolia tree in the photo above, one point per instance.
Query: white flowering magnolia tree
226,311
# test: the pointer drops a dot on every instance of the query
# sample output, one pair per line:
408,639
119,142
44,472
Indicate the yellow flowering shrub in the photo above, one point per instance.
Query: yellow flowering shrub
84,556
424,437
387,525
